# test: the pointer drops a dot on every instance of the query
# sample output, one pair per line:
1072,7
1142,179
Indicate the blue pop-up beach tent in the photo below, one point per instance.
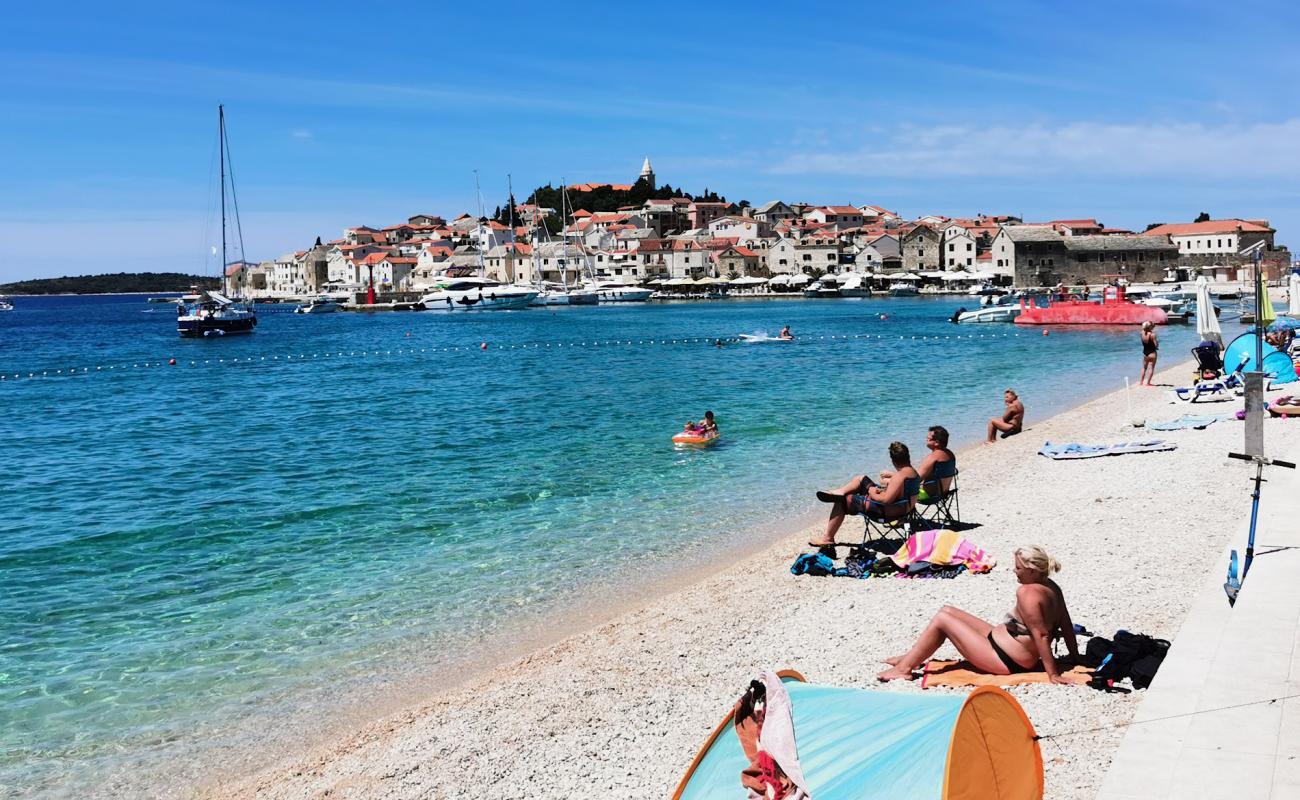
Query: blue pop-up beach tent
1241,352
856,743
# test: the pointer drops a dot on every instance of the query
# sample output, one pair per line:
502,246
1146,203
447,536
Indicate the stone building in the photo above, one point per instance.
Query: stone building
1044,257
920,249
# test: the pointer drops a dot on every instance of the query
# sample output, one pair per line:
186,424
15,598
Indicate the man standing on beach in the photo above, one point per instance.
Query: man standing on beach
1012,419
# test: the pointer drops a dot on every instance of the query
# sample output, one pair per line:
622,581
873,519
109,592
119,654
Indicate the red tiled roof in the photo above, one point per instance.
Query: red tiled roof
1208,227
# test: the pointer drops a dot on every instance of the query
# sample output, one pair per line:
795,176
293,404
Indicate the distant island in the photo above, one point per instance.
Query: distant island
116,283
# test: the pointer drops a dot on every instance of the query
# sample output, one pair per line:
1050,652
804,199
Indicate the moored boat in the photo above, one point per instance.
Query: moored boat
905,285
1114,309
318,305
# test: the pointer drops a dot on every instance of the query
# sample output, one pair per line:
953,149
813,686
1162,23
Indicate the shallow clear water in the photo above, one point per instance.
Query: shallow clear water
188,550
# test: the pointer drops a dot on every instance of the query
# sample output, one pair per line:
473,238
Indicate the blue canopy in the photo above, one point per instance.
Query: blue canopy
1276,363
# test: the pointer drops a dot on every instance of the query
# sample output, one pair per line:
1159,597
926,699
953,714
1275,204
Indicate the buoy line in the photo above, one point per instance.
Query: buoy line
181,361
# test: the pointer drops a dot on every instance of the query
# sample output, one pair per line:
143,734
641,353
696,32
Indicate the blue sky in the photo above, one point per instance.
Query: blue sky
343,114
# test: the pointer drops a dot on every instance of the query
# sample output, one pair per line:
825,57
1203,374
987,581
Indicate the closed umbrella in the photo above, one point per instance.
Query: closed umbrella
1207,322
1267,316
1293,288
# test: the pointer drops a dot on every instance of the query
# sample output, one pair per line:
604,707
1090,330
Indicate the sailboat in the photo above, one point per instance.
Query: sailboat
477,293
212,313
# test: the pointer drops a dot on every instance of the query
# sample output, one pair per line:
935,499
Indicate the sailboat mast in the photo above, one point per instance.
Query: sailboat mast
482,268
221,148
510,254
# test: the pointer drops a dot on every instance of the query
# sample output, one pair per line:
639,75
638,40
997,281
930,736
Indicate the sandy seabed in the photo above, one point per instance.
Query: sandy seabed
621,709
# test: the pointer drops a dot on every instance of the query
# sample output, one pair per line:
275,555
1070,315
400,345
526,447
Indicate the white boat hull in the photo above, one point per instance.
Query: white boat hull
990,314
622,295
478,300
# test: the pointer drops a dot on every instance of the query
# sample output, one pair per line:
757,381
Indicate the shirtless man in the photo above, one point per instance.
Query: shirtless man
862,495
936,441
1013,419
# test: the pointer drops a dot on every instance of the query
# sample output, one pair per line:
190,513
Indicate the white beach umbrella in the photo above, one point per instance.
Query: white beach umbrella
1207,322
800,278
1293,290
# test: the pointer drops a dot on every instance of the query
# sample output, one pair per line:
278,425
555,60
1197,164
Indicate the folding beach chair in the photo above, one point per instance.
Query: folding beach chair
939,507
903,524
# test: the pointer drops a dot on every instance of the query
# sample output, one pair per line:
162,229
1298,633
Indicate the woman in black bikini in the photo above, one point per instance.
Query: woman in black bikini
1022,644
1150,347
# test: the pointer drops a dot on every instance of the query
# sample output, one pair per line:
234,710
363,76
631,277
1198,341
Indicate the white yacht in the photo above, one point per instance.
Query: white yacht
905,285
5,305
477,294
616,291
825,286
853,285
318,305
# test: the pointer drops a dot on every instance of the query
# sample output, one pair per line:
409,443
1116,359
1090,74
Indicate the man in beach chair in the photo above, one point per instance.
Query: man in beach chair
886,509
937,500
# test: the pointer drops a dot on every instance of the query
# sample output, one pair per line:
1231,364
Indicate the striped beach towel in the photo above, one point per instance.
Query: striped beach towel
943,547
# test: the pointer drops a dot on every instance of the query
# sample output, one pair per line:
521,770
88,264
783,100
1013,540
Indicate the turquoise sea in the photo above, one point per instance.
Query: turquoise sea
204,560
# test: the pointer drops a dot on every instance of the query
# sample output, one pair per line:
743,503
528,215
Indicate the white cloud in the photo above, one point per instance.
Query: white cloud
1176,151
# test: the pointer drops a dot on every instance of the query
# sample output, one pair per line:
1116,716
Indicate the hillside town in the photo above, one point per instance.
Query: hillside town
680,241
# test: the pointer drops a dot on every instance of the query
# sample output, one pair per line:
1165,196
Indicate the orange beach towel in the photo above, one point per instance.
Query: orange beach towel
963,673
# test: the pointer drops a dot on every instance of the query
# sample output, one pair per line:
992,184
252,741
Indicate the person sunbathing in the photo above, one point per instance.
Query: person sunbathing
1021,644
862,495
1013,418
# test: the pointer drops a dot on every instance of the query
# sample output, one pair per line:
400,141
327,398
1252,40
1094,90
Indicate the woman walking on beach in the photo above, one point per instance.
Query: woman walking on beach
1150,348
1021,644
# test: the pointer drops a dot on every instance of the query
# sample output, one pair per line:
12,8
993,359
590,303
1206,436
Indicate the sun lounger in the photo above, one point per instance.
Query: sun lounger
1073,450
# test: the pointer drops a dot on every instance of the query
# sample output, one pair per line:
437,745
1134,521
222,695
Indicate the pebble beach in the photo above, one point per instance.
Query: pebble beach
622,708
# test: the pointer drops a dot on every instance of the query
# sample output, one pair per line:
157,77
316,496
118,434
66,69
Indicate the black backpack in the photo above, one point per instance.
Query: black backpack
1135,656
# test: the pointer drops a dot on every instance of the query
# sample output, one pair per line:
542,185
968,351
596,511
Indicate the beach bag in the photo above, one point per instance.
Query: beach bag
1126,651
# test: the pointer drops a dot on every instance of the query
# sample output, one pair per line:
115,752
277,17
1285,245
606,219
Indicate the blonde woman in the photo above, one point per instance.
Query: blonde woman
1021,644
1150,348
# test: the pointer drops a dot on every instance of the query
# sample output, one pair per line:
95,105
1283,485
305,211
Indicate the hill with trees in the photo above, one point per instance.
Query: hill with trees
116,283
601,199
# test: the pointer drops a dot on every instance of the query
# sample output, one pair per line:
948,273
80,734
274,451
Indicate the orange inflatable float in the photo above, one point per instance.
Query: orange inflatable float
696,439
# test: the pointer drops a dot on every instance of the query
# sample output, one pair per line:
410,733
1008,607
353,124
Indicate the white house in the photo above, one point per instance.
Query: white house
958,249
743,229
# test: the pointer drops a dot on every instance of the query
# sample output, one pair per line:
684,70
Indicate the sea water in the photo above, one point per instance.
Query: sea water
196,559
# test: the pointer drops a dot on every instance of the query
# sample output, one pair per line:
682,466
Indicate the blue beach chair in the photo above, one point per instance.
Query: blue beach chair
900,519
937,506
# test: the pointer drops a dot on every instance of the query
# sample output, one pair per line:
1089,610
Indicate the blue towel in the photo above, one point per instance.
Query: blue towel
1074,450
1186,421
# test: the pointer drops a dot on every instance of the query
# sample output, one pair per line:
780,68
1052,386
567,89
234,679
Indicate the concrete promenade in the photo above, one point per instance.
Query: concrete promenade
1206,727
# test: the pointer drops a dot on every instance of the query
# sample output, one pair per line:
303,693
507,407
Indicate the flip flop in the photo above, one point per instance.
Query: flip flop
829,497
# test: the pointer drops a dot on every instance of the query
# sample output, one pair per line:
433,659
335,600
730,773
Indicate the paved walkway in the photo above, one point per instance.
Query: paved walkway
1225,656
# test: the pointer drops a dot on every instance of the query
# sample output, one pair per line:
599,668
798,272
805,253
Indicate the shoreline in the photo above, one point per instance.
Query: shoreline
645,637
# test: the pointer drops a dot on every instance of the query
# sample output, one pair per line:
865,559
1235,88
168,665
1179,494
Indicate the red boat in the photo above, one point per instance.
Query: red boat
1113,309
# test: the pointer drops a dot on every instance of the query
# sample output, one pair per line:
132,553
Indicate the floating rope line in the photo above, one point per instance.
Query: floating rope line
482,346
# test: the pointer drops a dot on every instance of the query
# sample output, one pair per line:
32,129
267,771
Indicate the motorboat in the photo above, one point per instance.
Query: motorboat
853,284
1175,310
905,285
825,286
986,290
477,294
1001,309
5,305
617,292
214,315
1225,292
318,305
